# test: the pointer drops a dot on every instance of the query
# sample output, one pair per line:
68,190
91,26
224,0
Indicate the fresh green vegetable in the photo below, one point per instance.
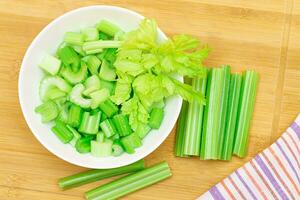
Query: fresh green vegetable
117,148
130,142
91,84
76,135
104,36
109,108
73,38
50,64
93,64
74,115
246,107
110,85
90,34
194,118
98,174
48,111
180,131
130,183
106,72
156,117
62,132
74,77
121,123
98,97
101,149
77,98
108,27
122,91
90,123
142,130
108,128
99,45
83,145
231,116
51,82
100,137
69,57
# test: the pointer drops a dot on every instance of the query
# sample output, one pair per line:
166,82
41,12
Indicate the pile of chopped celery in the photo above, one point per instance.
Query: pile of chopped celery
105,89
219,129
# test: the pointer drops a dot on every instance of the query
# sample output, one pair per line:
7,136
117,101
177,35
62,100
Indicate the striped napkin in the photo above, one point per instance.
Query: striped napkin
272,174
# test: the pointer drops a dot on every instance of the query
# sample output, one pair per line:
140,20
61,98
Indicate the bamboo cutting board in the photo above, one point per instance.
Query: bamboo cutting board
262,35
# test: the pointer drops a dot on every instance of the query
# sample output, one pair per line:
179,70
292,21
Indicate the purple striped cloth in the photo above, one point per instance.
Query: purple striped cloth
272,174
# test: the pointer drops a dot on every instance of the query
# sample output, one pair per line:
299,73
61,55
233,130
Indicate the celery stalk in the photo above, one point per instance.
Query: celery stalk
130,183
231,117
180,131
107,27
98,174
246,106
192,139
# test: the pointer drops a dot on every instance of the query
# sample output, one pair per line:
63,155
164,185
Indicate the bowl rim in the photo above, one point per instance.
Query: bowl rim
21,92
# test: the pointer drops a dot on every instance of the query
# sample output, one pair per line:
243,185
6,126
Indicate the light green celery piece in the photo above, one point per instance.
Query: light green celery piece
231,117
77,98
130,183
79,50
91,84
101,149
192,139
180,131
100,136
53,82
212,122
142,130
110,85
50,64
107,72
74,38
90,123
107,27
93,51
62,132
122,92
98,97
90,34
224,107
54,93
98,174
93,64
117,148
74,77
100,44
76,135
119,36
246,107
48,111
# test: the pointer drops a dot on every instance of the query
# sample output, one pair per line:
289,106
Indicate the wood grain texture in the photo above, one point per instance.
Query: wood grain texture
262,35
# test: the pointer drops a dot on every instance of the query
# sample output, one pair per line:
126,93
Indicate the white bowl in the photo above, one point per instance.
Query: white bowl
47,41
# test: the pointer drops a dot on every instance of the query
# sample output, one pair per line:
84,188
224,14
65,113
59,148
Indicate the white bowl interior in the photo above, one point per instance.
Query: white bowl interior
47,41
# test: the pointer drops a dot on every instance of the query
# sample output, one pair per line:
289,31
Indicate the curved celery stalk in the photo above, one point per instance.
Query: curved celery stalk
98,46
231,117
192,138
180,131
130,183
53,82
98,174
77,98
74,77
91,84
246,106
48,111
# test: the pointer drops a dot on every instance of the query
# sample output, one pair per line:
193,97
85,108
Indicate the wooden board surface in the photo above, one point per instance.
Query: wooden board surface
262,35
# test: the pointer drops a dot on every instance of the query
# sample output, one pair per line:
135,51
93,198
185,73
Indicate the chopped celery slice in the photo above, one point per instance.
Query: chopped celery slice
74,77
142,130
192,138
98,97
156,117
74,115
69,57
74,38
108,128
103,117
83,145
91,84
54,93
98,46
50,64
110,55
104,36
101,149
98,174
122,124
107,72
110,85
180,131
90,123
246,107
117,148
109,108
108,27
79,50
62,132
130,183
122,92
48,111
53,82
93,64
120,35
77,98
130,142
76,135
90,34
63,112
231,116
100,137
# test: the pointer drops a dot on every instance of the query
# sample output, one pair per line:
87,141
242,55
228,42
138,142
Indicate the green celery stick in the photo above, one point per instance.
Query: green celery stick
192,139
130,183
246,107
180,131
231,118
98,174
